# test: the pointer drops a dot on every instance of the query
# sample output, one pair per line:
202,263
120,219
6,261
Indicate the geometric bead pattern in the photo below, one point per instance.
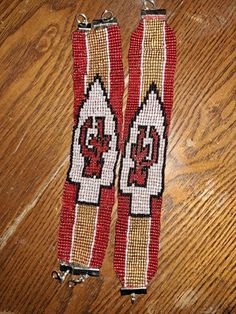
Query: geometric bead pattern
152,59
88,194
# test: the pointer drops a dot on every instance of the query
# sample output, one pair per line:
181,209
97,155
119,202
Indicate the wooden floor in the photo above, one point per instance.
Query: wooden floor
197,259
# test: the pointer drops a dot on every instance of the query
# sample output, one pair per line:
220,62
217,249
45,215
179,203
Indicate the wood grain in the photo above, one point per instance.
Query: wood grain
197,260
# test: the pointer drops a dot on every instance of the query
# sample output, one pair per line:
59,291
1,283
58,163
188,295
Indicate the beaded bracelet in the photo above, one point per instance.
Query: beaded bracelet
152,59
89,188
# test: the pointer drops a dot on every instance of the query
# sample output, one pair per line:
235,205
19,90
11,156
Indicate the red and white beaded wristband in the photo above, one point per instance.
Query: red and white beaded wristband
152,59
88,195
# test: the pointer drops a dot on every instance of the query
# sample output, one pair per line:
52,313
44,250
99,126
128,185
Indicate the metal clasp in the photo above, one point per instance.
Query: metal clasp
106,19
146,2
133,298
149,8
81,279
60,275
82,22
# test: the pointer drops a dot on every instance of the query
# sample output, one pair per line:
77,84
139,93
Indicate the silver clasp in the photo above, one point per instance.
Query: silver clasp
73,282
107,15
82,22
59,275
107,19
133,298
149,8
147,3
